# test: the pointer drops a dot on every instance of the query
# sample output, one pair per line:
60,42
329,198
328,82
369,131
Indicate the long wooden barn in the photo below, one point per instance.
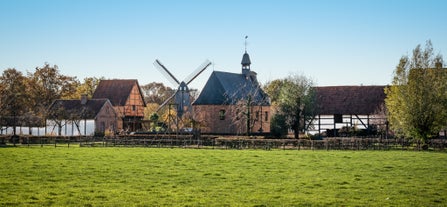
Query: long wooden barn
355,107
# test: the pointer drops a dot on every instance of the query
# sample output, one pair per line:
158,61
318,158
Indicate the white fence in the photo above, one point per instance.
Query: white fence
68,129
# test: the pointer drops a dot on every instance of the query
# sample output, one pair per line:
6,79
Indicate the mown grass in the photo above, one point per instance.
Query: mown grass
190,177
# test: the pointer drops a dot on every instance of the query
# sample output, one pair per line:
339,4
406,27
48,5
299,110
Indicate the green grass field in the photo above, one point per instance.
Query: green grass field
76,176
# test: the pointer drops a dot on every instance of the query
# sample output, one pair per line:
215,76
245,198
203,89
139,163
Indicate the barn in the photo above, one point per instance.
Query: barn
127,100
344,107
233,103
81,117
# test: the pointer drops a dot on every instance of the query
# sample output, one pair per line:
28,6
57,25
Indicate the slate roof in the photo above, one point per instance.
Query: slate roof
224,88
246,59
73,108
116,90
358,100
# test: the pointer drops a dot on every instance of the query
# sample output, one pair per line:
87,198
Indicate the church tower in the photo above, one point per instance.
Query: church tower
246,60
246,66
245,63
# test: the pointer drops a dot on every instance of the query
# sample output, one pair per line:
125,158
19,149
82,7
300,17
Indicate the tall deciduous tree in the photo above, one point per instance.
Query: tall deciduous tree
247,102
47,85
278,126
154,95
87,87
295,99
297,102
273,89
156,92
13,96
417,99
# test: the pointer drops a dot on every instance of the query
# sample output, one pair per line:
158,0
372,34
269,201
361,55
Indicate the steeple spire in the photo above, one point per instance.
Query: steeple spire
245,59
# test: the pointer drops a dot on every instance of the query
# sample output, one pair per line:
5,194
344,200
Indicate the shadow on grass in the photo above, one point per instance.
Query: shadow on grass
7,146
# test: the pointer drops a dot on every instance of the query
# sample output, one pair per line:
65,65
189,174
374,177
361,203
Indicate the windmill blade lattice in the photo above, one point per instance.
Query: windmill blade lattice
197,72
166,73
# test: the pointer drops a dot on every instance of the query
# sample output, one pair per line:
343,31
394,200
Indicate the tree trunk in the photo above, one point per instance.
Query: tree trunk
297,125
248,115
14,124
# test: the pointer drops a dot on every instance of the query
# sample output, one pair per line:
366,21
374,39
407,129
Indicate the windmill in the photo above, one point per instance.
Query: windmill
181,96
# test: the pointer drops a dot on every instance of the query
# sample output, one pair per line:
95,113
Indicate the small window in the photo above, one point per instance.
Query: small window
257,115
134,108
222,114
266,116
338,118
237,114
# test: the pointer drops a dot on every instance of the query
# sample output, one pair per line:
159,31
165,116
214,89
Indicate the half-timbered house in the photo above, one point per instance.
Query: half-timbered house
127,100
360,107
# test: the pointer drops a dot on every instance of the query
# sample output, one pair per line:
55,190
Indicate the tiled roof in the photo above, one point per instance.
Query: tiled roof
117,90
74,108
359,100
223,88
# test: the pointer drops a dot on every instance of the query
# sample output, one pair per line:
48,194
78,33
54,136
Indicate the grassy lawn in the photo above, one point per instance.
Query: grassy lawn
75,176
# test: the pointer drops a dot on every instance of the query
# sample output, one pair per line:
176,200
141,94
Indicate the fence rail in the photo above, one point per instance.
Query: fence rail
216,142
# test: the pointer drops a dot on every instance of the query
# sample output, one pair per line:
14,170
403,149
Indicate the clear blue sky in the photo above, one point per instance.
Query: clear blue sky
333,42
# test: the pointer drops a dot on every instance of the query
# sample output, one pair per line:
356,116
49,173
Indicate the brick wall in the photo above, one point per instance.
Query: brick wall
106,119
231,119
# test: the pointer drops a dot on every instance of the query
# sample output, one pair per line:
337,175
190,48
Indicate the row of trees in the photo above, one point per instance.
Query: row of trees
24,99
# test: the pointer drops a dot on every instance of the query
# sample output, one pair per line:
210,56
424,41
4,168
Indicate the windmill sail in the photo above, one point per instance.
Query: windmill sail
182,98
166,73
166,102
197,72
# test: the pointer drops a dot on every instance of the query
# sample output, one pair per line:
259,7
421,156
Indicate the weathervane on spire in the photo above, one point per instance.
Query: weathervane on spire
245,59
246,43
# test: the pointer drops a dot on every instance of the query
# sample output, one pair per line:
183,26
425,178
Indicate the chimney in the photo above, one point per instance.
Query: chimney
84,99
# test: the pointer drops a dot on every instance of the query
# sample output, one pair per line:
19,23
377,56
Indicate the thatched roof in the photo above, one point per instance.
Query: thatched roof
359,100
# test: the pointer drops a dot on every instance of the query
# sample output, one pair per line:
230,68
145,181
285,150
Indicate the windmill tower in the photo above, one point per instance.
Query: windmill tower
181,96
